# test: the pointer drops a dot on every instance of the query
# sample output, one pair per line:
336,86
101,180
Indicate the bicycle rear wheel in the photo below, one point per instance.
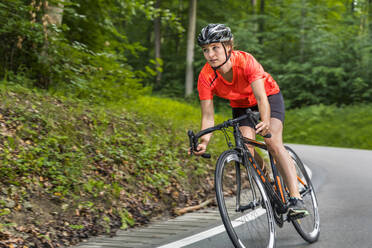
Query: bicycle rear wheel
238,186
307,227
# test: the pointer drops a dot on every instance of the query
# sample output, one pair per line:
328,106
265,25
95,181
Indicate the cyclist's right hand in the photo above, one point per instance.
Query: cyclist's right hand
200,149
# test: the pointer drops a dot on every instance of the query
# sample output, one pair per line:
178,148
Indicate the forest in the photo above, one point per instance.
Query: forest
318,51
97,96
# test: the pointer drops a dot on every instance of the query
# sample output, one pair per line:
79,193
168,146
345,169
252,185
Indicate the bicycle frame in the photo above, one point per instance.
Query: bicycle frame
277,195
274,200
248,159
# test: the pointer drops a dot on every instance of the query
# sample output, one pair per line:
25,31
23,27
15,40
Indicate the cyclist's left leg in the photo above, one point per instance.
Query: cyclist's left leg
297,208
250,133
284,162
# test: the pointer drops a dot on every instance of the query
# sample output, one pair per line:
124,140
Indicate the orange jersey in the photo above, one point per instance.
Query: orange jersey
246,70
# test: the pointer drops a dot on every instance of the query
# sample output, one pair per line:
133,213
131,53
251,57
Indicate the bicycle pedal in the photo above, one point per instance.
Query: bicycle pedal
295,217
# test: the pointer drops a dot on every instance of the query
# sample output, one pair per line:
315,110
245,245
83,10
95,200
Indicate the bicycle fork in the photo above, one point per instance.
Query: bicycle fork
254,203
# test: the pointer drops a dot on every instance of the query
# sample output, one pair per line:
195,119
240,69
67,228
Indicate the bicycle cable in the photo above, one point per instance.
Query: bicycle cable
227,137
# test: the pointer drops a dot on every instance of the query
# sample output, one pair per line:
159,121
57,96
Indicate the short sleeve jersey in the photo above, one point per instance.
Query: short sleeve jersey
246,70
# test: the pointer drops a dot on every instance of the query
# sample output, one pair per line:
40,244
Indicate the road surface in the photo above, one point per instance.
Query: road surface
342,179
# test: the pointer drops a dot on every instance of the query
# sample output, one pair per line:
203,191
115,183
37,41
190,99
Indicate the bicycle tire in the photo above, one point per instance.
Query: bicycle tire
277,185
251,227
309,226
278,215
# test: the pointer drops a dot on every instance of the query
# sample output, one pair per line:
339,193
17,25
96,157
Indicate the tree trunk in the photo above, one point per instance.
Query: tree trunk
254,16
254,3
302,30
157,26
190,49
181,16
352,6
282,59
52,16
370,17
261,24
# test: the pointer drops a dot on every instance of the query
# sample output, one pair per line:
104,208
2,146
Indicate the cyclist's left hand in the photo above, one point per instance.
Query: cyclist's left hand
201,149
263,128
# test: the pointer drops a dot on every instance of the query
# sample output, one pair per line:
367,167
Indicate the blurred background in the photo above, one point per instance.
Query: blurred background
318,51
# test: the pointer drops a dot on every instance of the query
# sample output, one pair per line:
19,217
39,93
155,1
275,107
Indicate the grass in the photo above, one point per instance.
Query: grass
104,167
178,118
348,126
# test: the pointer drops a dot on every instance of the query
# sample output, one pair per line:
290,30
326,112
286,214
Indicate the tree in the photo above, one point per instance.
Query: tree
157,31
302,31
190,48
54,13
261,26
53,16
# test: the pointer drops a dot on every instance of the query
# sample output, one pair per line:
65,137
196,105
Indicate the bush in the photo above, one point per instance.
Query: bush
347,126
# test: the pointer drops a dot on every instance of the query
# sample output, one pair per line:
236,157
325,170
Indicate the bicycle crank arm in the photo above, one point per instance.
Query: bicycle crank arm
251,205
305,192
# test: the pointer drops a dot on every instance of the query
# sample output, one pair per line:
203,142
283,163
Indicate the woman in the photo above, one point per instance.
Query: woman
238,77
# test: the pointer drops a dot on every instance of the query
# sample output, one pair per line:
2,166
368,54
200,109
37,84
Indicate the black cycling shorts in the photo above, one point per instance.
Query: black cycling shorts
276,105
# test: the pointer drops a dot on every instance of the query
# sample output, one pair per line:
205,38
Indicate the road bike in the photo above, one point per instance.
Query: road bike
253,200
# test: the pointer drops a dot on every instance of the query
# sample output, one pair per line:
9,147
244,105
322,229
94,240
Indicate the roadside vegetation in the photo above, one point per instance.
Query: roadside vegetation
346,126
70,170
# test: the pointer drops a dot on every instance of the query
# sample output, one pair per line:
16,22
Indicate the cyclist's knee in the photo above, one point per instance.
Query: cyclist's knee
250,148
275,148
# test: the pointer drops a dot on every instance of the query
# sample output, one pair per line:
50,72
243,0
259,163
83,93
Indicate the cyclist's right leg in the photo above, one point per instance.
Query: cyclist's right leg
250,133
247,128
284,162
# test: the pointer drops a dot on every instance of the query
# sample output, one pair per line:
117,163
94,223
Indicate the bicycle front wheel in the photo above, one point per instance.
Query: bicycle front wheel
307,227
243,203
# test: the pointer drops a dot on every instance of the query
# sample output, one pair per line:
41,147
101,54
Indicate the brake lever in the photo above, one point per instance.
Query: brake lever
206,155
254,117
191,139
194,145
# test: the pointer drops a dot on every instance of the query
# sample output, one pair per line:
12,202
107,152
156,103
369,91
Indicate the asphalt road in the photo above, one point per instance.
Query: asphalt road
343,182
343,178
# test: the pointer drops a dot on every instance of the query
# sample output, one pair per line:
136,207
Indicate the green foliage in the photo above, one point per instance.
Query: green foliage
69,149
317,53
126,219
77,227
95,76
104,50
97,162
168,113
87,56
20,40
4,211
347,126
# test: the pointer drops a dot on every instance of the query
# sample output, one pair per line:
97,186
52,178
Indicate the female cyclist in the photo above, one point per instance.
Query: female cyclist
237,76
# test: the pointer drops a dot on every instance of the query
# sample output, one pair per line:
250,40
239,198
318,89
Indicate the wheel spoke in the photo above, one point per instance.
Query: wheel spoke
247,222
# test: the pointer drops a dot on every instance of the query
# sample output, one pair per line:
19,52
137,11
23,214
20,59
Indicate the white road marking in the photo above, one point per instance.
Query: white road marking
219,229
214,231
